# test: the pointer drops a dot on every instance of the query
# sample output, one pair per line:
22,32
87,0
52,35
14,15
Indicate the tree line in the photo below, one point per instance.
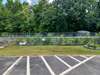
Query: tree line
58,16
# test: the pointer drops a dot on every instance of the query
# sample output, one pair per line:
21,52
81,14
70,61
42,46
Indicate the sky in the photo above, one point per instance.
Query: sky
34,1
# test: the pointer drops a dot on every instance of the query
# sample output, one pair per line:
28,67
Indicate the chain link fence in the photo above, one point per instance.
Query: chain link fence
45,34
65,39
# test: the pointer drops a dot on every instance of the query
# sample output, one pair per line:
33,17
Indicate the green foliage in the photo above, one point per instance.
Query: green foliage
58,16
59,41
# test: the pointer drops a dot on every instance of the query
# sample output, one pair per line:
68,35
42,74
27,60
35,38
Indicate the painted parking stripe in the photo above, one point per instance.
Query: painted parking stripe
63,61
11,67
28,65
82,62
83,56
47,65
74,58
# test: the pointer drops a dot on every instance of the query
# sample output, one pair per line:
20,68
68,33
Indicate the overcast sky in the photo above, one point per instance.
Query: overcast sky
33,1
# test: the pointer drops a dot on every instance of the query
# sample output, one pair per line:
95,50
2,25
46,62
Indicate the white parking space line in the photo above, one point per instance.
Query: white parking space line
82,62
63,61
11,67
28,65
47,65
74,58
83,56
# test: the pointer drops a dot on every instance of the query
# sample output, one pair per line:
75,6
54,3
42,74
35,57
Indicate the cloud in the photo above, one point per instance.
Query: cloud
50,1
30,2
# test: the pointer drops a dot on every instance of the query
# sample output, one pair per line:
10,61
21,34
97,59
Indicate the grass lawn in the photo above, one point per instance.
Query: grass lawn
46,50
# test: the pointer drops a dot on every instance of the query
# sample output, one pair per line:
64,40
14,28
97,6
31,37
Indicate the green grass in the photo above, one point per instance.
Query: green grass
46,50
98,46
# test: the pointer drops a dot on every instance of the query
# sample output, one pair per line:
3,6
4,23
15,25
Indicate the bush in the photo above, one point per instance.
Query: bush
57,41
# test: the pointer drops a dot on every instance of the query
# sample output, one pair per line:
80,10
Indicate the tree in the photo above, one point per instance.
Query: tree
75,12
39,12
58,16
98,16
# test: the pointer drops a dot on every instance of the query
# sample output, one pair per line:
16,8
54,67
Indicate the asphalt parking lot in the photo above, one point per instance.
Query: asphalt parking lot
50,65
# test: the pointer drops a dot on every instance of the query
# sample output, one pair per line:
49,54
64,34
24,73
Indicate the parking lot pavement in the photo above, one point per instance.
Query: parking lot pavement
55,64
91,67
37,67
50,65
69,60
79,58
5,62
20,68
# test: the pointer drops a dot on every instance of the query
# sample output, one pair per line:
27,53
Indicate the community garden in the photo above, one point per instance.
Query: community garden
51,44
